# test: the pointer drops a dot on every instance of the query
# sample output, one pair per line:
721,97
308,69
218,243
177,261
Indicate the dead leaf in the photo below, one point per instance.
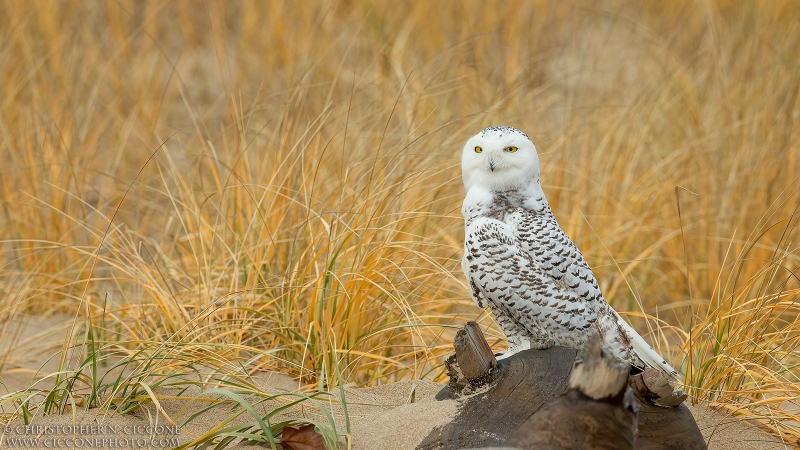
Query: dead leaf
302,438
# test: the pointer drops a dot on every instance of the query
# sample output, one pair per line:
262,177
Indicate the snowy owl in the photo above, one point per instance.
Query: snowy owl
520,263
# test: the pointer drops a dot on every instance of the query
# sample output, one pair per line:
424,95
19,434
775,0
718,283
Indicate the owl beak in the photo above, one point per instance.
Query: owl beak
491,164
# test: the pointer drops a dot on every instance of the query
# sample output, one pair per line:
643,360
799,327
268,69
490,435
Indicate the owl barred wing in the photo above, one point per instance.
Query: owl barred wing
581,280
477,295
544,240
512,281
540,236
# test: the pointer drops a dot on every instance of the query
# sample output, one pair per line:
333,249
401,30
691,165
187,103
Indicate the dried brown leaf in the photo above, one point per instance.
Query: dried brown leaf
301,438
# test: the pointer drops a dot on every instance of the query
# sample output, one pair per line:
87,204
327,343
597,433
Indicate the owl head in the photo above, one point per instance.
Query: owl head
499,158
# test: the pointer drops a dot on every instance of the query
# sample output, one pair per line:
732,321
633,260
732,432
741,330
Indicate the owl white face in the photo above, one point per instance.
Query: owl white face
499,158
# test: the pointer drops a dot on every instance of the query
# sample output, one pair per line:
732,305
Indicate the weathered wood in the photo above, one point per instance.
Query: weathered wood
523,383
598,412
533,382
663,421
666,428
576,421
474,356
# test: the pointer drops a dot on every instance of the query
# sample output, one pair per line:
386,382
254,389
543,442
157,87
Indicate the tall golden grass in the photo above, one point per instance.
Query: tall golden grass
276,185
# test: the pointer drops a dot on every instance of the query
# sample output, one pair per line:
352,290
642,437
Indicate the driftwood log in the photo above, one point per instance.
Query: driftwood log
549,399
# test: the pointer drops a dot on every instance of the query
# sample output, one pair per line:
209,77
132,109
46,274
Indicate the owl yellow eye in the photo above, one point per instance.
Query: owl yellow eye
510,149
478,149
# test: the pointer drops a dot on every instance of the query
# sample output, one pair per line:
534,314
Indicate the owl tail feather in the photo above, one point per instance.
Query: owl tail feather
649,357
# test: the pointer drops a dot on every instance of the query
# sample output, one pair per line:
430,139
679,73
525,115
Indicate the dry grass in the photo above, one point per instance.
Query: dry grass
275,185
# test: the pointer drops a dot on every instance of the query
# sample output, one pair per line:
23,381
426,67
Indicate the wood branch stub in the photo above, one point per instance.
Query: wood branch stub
474,356
652,386
659,385
597,374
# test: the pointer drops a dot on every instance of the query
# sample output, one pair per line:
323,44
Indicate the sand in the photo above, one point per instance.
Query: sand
382,417
724,432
